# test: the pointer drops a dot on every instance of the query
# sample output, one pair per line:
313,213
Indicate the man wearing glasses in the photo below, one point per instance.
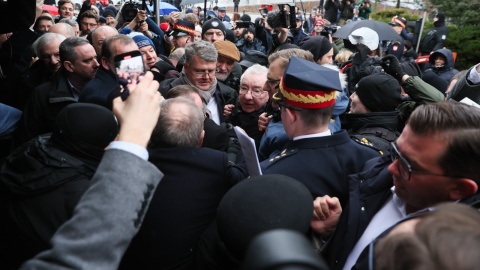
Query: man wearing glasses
319,159
434,160
88,22
199,71
252,101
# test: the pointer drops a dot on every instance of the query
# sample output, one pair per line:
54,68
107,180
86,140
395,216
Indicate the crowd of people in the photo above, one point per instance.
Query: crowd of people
364,153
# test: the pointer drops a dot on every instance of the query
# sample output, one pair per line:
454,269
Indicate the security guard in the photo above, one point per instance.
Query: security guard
316,157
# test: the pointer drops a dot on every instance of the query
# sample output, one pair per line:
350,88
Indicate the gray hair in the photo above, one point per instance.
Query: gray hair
67,48
63,28
178,128
203,49
177,54
69,21
255,69
44,40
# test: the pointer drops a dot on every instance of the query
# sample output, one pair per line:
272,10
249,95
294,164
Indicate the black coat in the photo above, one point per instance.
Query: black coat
40,186
322,164
331,10
184,204
43,106
99,89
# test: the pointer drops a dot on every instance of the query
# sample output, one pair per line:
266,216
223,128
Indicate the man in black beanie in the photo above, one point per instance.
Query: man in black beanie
248,41
213,30
436,37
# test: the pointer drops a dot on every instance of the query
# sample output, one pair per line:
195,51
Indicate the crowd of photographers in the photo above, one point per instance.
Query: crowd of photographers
316,107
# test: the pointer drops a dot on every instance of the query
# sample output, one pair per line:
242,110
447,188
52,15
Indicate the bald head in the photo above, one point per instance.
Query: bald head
99,36
63,29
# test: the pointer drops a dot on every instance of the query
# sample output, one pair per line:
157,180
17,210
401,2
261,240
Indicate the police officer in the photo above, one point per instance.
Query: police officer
316,157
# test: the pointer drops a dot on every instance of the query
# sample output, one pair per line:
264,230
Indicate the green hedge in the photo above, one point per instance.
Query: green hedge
465,40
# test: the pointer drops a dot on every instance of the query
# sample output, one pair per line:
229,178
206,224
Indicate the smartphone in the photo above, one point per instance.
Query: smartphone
129,67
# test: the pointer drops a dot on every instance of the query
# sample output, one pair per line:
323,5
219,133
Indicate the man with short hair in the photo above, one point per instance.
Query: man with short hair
228,56
213,30
78,66
73,23
198,175
99,36
65,10
199,71
434,160
88,21
46,48
222,14
101,89
42,24
252,101
306,96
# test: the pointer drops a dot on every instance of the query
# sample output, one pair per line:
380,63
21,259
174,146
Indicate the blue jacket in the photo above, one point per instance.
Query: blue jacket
244,46
447,71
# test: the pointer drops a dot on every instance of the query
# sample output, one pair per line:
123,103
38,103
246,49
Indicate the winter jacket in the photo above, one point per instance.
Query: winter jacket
40,186
245,46
447,71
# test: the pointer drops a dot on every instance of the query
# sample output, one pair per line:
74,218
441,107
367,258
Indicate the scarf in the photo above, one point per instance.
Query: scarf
206,95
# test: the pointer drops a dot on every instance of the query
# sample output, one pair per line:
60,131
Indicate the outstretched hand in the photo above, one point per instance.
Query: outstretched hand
138,114
326,213
391,65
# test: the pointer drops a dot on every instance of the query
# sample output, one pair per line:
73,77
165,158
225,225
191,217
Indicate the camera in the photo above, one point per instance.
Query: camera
328,30
130,8
284,17
263,11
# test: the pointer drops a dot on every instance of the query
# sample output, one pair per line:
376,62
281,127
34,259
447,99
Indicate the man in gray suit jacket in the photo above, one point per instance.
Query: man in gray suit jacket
112,210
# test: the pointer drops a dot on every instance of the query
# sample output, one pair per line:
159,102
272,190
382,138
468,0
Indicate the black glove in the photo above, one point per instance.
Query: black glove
392,66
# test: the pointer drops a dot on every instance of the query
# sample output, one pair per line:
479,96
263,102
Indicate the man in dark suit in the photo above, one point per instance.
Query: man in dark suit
185,203
316,157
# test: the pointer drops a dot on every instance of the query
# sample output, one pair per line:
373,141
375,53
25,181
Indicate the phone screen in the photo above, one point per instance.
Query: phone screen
129,67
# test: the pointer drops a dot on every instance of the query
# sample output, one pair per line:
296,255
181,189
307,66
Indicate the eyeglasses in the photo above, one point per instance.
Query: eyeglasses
255,93
88,24
404,167
201,73
272,83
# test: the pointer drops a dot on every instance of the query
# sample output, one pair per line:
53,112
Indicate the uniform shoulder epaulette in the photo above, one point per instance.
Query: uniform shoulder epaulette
283,154
365,142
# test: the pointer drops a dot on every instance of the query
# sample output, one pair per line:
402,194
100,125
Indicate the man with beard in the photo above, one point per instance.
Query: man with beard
249,42
78,66
88,21
228,55
199,71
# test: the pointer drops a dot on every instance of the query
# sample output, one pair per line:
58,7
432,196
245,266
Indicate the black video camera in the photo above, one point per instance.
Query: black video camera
328,30
287,16
130,8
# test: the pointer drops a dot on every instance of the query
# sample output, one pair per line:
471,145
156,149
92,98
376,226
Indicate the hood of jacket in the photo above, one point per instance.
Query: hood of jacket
448,56
37,167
